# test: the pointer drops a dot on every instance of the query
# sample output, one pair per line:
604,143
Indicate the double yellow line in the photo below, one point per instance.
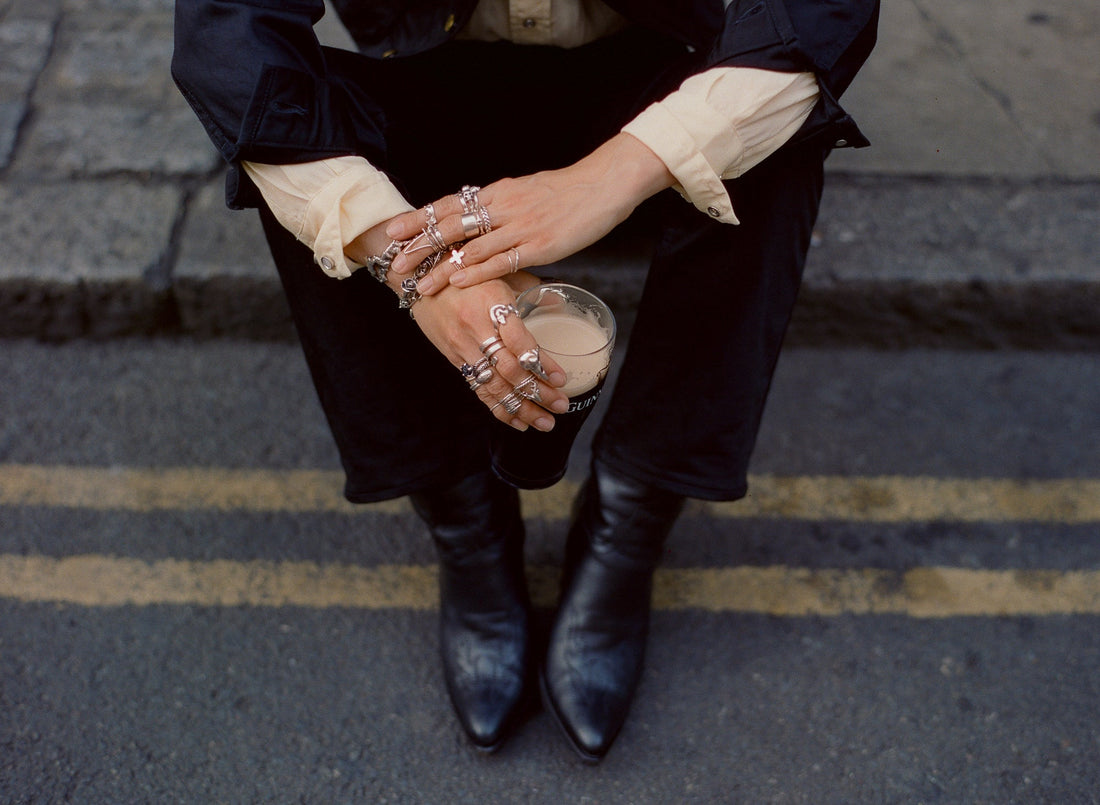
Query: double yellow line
886,499
925,592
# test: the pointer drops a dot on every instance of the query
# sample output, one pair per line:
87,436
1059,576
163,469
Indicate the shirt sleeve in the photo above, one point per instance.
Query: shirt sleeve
719,124
328,203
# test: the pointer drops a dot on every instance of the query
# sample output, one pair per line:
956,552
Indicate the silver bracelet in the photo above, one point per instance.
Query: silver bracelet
410,296
379,265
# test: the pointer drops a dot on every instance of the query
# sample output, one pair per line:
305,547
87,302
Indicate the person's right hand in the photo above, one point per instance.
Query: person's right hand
458,322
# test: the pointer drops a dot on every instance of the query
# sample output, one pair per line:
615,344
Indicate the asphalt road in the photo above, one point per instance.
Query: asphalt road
159,643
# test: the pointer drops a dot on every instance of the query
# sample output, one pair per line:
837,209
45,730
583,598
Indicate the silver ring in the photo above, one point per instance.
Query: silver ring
511,402
435,237
429,213
530,361
513,259
480,379
500,313
416,245
529,389
468,196
488,343
493,349
456,258
471,225
485,223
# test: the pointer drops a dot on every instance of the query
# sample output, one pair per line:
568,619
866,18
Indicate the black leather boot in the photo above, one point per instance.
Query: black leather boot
484,604
597,643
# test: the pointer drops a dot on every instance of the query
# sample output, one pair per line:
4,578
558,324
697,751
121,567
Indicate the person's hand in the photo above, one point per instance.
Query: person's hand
462,323
537,219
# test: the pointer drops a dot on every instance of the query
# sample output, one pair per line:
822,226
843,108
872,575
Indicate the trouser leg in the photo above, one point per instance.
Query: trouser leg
688,401
401,416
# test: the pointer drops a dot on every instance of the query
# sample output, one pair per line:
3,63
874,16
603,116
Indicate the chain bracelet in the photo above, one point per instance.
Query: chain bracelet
410,296
379,266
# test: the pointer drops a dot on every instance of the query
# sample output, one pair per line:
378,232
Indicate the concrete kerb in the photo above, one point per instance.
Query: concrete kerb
942,234
946,263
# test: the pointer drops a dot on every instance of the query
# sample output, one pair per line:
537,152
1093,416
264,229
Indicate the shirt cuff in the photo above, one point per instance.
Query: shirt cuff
328,203
719,124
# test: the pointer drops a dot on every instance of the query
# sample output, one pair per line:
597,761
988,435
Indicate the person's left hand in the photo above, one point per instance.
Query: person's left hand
540,218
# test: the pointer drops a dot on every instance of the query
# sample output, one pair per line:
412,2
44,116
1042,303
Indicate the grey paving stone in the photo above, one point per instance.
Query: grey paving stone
72,139
958,89
224,281
24,47
83,258
11,115
110,57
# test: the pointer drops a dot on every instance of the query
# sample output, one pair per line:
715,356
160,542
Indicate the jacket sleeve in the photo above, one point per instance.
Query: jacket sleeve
266,90
831,38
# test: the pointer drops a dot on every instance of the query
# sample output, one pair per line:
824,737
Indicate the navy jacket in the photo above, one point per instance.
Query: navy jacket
267,91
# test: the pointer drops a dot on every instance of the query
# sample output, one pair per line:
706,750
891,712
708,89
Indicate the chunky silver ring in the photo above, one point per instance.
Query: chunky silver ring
493,349
481,378
500,313
488,343
429,214
471,371
530,361
511,402
468,196
513,259
456,258
529,389
471,225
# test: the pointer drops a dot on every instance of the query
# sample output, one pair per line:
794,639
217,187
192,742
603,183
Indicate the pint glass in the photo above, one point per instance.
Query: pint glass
576,329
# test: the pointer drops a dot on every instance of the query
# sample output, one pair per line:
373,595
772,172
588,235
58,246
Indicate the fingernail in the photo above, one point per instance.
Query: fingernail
519,425
425,284
393,230
557,378
544,423
458,278
559,406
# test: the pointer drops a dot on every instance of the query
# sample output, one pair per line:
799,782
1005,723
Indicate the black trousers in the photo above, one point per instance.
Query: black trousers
717,299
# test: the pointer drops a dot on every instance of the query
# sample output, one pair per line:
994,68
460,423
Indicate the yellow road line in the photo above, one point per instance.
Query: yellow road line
925,592
859,498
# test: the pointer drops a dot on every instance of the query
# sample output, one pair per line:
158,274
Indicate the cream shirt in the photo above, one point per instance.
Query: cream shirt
716,126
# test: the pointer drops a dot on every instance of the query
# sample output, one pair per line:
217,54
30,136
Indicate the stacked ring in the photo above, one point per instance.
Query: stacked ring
492,350
511,402
477,375
468,196
513,259
529,389
489,342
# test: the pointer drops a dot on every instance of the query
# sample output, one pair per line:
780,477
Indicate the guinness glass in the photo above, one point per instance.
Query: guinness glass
576,329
